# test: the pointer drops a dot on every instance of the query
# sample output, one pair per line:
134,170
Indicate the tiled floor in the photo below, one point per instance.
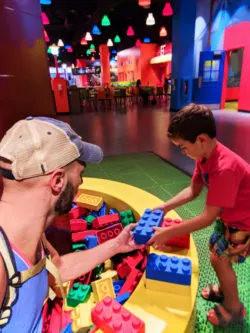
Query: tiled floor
156,176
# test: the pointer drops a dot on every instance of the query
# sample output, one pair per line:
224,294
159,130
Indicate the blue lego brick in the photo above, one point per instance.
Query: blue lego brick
113,211
73,205
67,329
91,241
102,211
169,269
144,231
123,297
94,213
118,286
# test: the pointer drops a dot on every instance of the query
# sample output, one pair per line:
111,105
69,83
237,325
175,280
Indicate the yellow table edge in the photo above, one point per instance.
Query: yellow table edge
162,312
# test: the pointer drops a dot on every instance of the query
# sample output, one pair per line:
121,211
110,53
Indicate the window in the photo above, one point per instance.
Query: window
211,70
234,69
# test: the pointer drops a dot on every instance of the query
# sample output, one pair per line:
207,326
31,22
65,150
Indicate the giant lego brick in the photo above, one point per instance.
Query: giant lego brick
79,293
103,221
78,225
90,202
77,212
181,241
127,217
144,230
102,288
81,317
109,233
169,269
112,317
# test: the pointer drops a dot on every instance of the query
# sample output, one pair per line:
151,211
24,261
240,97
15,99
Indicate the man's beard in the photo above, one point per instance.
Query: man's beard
64,203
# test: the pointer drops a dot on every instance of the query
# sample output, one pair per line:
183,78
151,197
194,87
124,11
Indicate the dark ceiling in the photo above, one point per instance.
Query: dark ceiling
71,19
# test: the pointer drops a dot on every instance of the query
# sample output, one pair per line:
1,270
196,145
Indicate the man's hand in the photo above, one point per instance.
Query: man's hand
125,242
159,239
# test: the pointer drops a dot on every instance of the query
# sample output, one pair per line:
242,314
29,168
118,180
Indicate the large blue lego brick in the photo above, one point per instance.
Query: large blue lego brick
113,211
102,211
169,269
91,241
144,230
118,286
123,297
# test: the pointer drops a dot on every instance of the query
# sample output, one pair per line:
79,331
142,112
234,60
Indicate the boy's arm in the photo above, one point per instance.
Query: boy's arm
162,235
183,197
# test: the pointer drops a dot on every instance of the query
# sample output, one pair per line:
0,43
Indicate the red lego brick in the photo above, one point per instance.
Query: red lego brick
103,221
79,236
77,212
84,279
123,270
181,241
77,225
128,263
131,282
109,233
62,221
112,317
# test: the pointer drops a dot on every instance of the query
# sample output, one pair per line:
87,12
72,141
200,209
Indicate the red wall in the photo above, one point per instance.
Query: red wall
128,64
238,36
148,75
24,75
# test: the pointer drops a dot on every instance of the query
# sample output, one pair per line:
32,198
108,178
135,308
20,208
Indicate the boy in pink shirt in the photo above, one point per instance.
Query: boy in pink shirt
227,177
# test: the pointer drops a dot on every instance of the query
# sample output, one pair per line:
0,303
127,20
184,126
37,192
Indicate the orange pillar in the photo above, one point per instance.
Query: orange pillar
105,65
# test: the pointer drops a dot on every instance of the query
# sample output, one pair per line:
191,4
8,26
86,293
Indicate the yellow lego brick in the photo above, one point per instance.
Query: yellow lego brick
108,265
81,317
65,287
166,287
110,274
102,288
89,201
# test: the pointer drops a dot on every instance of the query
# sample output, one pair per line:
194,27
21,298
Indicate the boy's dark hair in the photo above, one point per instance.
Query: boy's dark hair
191,121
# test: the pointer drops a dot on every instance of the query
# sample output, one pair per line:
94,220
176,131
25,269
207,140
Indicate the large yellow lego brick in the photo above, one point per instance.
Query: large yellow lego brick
102,288
166,287
110,274
89,201
81,317
108,265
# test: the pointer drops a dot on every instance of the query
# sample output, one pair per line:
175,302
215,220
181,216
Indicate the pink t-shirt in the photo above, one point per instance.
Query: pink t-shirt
227,177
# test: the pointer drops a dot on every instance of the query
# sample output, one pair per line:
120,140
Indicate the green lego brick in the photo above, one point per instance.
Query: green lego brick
89,219
127,217
98,270
79,246
79,293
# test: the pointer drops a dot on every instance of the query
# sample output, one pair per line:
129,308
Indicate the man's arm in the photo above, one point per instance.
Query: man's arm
73,265
183,197
162,235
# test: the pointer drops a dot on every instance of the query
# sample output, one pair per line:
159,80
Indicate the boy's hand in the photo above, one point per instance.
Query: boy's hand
161,207
158,241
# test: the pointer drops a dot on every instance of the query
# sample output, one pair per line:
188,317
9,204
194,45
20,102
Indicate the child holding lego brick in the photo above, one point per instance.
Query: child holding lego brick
227,177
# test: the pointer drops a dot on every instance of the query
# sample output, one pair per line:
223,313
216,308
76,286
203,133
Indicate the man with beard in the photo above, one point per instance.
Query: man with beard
41,163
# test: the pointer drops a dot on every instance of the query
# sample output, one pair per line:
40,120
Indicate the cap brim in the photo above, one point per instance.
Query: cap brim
90,153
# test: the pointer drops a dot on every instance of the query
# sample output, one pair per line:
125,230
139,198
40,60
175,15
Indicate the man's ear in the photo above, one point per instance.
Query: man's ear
57,181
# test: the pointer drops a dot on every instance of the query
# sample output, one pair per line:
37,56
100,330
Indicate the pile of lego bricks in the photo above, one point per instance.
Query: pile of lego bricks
109,286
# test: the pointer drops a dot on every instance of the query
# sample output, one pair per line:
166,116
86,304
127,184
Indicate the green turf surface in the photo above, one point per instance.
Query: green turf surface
154,175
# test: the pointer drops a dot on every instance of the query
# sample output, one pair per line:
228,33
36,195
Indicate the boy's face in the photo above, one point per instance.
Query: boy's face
192,150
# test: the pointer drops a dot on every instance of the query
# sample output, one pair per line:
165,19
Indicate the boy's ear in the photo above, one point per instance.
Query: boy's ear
202,137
